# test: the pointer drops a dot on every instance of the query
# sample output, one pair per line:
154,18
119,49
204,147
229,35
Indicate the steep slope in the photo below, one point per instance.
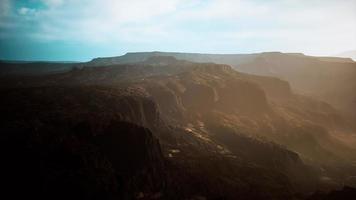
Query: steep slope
222,134
330,79
253,106
333,82
69,139
48,155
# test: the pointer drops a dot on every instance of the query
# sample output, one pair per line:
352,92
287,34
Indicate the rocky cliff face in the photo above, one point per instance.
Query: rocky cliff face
329,80
220,133
326,78
104,103
83,149
45,161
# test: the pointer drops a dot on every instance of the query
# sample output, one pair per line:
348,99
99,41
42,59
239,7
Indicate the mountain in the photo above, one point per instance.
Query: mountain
330,79
164,128
348,54
230,59
63,138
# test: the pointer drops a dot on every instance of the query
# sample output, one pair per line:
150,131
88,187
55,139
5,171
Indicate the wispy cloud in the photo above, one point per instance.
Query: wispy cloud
313,26
26,11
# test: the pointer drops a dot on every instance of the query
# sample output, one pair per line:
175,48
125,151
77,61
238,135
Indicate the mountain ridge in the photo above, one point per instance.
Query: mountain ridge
209,130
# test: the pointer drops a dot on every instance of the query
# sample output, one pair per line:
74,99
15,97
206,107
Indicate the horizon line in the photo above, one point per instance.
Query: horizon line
176,52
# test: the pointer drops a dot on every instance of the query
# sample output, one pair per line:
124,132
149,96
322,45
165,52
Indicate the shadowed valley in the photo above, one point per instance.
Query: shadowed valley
162,125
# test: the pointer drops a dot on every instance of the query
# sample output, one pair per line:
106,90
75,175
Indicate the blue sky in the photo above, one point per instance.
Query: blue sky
80,30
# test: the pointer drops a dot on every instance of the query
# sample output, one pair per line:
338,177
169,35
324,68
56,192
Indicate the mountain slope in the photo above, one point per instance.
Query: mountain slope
222,133
329,79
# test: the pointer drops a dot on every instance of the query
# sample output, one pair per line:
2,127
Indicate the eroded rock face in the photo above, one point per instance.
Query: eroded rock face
135,154
84,150
60,150
242,96
198,97
53,163
221,133
330,79
93,103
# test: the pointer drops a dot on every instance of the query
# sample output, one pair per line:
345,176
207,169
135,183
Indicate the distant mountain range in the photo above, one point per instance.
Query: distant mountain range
231,59
348,54
331,79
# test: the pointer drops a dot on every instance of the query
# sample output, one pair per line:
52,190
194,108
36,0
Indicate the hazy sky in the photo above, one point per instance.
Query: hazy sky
84,29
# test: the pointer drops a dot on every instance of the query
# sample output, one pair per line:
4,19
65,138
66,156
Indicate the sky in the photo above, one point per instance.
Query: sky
79,30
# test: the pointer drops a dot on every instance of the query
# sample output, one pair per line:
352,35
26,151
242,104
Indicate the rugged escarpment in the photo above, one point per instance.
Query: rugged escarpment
58,144
329,79
55,161
103,103
332,81
192,130
80,149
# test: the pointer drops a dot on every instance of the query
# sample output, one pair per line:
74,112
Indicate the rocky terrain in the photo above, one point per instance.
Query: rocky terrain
156,127
330,79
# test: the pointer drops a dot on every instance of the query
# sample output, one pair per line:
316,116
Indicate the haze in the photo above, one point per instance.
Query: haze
78,31
178,99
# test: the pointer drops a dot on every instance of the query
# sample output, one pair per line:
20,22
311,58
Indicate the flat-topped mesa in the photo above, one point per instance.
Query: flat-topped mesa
187,65
162,60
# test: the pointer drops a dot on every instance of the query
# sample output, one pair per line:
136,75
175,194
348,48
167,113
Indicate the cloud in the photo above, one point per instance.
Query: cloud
314,26
26,11
103,20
